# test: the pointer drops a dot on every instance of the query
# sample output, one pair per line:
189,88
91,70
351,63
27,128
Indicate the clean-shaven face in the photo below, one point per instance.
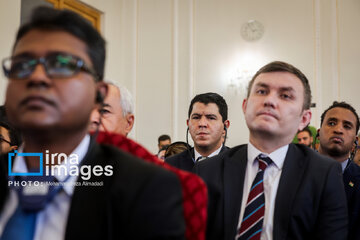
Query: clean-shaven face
274,107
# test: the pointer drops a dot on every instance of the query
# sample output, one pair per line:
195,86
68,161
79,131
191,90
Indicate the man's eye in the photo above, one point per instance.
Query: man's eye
195,117
103,111
261,91
285,96
331,123
347,127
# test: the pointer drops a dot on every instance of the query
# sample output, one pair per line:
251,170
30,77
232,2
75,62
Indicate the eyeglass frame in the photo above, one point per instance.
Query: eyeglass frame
4,140
80,66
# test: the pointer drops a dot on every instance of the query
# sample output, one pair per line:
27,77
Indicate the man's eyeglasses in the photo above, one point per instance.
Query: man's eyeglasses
2,139
57,65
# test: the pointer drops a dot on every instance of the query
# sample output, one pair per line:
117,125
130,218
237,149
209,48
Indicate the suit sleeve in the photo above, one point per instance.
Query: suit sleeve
333,216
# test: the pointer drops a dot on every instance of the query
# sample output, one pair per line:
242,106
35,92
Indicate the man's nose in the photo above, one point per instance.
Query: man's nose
270,100
338,129
94,120
39,77
203,122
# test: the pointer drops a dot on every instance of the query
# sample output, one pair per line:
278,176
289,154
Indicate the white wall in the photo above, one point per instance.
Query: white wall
166,51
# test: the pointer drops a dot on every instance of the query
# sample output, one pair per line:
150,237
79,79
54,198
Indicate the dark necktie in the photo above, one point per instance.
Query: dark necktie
251,225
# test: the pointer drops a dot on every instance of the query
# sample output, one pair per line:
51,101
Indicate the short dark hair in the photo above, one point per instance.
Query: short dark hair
211,97
50,19
306,129
14,135
278,66
345,105
163,138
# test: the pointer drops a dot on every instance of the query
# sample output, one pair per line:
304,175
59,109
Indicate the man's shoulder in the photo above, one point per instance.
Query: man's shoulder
314,163
125,164
179,157
222,156
306,153
353,170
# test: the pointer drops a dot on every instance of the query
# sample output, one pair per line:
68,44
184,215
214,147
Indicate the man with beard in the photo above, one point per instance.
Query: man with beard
305,137
339,126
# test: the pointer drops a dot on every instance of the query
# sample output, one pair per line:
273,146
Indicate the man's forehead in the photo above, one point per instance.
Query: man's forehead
284,80
202,108
303,134
4,132
341,114
40,42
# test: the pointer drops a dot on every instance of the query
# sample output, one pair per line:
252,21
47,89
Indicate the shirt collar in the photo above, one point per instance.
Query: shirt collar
344,164
216,152
277,156
19,164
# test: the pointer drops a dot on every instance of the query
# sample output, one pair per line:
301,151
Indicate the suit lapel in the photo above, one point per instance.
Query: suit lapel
290,180
234,174
89,202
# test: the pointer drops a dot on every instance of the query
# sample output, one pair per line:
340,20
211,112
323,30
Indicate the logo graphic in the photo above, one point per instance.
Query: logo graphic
10,159
59,164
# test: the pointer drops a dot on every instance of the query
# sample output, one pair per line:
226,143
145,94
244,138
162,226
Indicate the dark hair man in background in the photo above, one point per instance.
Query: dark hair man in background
55,77
305,137
270,188
338,133
163,141
207,123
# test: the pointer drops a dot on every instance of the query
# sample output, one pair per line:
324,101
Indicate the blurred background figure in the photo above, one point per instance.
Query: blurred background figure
305,137
176,148
161,153
356,152
163,140
116,113
9,138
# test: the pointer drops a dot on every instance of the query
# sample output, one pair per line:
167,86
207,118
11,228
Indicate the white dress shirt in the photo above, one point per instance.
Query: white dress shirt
271,182
51,221
197,154
344,164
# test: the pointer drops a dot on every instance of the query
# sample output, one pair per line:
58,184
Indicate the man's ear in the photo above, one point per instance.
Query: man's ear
130,119
187,122
227,124
244,105
305,119
13,148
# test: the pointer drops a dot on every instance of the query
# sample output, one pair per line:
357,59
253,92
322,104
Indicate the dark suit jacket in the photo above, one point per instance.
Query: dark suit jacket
310,201
140,200
184,160
351,178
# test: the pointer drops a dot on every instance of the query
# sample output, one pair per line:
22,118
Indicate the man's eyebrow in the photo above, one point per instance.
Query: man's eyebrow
332,119
106,105
290,89
210,115
261,84
23,55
